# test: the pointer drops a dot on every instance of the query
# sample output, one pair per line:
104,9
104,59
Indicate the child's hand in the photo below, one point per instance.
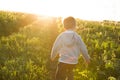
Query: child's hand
88,61
52,59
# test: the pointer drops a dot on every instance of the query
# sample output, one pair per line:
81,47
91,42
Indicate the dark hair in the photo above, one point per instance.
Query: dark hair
69,22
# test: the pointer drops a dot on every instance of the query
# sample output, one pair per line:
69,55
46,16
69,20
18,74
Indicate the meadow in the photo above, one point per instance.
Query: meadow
26,41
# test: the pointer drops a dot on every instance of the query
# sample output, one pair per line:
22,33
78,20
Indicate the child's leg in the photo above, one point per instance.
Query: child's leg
70,73
64,70
60,72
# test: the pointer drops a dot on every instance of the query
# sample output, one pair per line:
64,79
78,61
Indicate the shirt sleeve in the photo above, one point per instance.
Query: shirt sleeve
56,47
83,49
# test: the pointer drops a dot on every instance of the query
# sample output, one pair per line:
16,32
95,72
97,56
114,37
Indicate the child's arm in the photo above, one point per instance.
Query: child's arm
55,48
84,51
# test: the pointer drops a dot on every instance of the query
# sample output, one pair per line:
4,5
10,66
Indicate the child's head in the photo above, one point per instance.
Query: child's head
69,23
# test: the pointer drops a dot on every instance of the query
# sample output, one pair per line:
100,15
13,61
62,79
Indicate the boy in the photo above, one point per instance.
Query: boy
68,46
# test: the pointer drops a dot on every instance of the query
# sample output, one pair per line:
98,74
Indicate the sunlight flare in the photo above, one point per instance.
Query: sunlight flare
84,9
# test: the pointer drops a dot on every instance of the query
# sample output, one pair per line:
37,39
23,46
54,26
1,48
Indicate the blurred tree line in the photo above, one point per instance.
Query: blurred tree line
11,22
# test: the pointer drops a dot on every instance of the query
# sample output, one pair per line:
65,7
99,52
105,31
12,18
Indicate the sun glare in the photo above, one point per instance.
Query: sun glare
84,9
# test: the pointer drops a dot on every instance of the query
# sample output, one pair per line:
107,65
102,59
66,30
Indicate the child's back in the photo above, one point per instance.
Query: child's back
68,46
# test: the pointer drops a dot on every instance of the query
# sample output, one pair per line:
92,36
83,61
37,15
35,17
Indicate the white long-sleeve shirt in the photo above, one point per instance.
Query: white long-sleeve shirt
69,45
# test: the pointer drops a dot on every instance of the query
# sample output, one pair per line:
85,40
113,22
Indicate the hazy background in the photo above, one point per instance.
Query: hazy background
83,9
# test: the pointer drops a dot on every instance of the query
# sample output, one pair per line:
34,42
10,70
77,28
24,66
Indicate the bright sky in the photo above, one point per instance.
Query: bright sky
83,9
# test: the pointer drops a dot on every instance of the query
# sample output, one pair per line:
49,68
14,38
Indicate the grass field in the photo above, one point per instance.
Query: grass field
25,49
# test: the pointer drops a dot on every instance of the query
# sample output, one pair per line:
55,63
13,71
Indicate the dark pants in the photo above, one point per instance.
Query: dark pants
64,71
